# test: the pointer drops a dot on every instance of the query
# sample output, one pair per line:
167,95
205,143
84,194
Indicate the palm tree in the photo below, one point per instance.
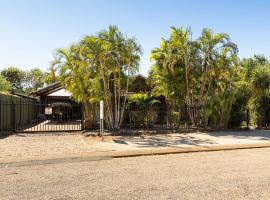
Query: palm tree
218,61
115,58
122,61
79,78
212,46
260,85
191,71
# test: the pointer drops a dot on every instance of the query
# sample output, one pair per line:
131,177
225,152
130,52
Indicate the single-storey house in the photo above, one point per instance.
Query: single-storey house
56,93
56,102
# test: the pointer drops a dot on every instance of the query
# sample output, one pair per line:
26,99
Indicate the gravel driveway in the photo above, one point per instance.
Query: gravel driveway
238,174
42,146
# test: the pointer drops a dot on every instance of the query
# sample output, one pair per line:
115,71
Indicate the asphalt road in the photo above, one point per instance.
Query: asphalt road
237,174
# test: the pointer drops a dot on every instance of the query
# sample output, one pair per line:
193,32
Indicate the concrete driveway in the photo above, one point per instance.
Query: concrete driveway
195,139
178,140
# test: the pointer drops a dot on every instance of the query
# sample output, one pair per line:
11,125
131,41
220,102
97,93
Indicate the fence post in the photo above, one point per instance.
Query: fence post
13,116
129,116
82,117
0,114
247,118
146,114
20,112
28,120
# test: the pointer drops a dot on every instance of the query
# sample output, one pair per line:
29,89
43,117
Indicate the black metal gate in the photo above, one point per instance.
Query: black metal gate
54,117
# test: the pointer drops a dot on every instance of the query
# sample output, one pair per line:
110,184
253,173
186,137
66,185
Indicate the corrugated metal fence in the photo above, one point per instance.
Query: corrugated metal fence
14,109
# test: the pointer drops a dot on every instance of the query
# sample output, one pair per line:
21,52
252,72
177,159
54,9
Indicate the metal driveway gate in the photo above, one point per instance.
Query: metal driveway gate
37,117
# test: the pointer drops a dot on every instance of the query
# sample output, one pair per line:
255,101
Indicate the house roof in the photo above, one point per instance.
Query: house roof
139,84
56,89
60,93
139,76
23,95
48,89
8,95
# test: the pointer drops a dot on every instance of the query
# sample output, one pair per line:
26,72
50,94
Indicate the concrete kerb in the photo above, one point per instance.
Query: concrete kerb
97,156
175,150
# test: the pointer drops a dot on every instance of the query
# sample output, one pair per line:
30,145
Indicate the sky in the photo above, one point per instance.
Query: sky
31,30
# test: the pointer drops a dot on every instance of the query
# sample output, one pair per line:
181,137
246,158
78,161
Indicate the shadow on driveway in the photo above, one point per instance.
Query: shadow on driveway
5,134
251,134
163,141
178,140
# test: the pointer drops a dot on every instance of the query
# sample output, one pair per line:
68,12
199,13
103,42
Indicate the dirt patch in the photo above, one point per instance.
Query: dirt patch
91,140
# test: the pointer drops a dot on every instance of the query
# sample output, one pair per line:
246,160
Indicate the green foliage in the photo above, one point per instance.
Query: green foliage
239,108
252,96
76,75
143,103
117,58
142,99
260,79
23,81
203,73
4,85
15,77
50,76
252,63
262,110
260,86
196,73
100,67
34,79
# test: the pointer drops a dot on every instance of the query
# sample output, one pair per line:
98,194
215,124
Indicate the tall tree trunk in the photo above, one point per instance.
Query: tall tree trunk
107,99
88,123
125,100
119,100
115,100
